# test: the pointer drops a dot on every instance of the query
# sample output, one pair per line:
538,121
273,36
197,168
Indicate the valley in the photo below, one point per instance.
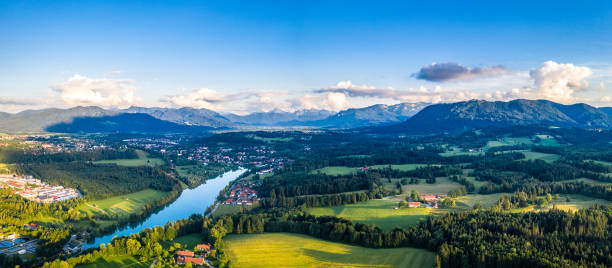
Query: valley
259,198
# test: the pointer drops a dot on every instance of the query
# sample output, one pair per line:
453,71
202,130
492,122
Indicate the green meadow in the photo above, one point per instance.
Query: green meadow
336,170
529,155
296,250
485,200
381,213
443,185
122,204
187,241
142,160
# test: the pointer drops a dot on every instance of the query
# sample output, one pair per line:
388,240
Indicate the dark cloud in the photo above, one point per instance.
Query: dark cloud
448,71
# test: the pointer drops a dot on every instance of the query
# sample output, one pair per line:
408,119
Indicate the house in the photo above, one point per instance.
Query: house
414,204
203,247
197,261
429,198
180,260
185,253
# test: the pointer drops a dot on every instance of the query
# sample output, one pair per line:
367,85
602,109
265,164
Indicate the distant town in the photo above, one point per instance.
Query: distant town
36,190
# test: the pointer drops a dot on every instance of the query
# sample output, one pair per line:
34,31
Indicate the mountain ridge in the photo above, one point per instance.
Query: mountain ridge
473,114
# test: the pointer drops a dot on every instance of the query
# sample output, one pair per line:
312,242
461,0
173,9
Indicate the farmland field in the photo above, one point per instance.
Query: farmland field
576,202
336,170
529,155
123,204
442,186
224,209
485,200
295,250
187,241
142,160
507,141
454,151
378,212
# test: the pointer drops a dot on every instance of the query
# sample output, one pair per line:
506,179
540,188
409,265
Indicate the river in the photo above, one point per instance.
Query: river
191,201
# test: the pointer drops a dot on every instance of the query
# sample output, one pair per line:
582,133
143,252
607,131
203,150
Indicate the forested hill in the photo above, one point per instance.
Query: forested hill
88,120
39,120
474,114
185,115
123,123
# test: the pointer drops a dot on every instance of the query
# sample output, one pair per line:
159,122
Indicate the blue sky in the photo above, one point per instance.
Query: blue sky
243,56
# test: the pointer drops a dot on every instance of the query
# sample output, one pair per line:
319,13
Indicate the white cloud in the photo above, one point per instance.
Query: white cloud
238,102
558,81
105,92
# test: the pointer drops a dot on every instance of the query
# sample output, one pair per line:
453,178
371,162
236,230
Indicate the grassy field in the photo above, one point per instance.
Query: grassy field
378,212
225,209
507,141
547,140
529,155
336,170
116,262
142,160
576,202
442,186
294,250
187,241
454,151
485,200
123,204
404,167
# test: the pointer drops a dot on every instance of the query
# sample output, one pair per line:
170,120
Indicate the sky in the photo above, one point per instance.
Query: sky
248,56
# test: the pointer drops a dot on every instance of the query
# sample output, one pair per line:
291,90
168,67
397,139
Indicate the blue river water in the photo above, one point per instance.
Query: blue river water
191,201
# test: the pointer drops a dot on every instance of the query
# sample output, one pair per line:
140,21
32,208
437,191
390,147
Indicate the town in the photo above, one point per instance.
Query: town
242,193
36,190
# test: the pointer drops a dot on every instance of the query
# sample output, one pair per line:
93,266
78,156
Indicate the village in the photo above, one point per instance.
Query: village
36,190
242,193
427,200
196,257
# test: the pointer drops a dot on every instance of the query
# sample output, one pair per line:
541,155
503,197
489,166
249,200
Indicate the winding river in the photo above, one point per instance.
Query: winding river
191,201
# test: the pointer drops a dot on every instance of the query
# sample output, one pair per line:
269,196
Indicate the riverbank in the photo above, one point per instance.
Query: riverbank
189,201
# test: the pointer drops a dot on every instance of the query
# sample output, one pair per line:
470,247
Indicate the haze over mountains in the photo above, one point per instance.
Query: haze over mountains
419,118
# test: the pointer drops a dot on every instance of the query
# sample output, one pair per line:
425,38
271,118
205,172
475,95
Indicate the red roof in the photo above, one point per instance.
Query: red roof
185,253
204,247
198,261
414,203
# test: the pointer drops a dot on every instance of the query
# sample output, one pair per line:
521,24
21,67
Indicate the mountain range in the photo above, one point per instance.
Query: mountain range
474,114
418,118
375,115
184,116
278,118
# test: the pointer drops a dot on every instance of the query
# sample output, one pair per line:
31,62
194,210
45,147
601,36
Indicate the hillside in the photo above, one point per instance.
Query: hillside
275,118
186,116
379,114
39,120
124,123
473,114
